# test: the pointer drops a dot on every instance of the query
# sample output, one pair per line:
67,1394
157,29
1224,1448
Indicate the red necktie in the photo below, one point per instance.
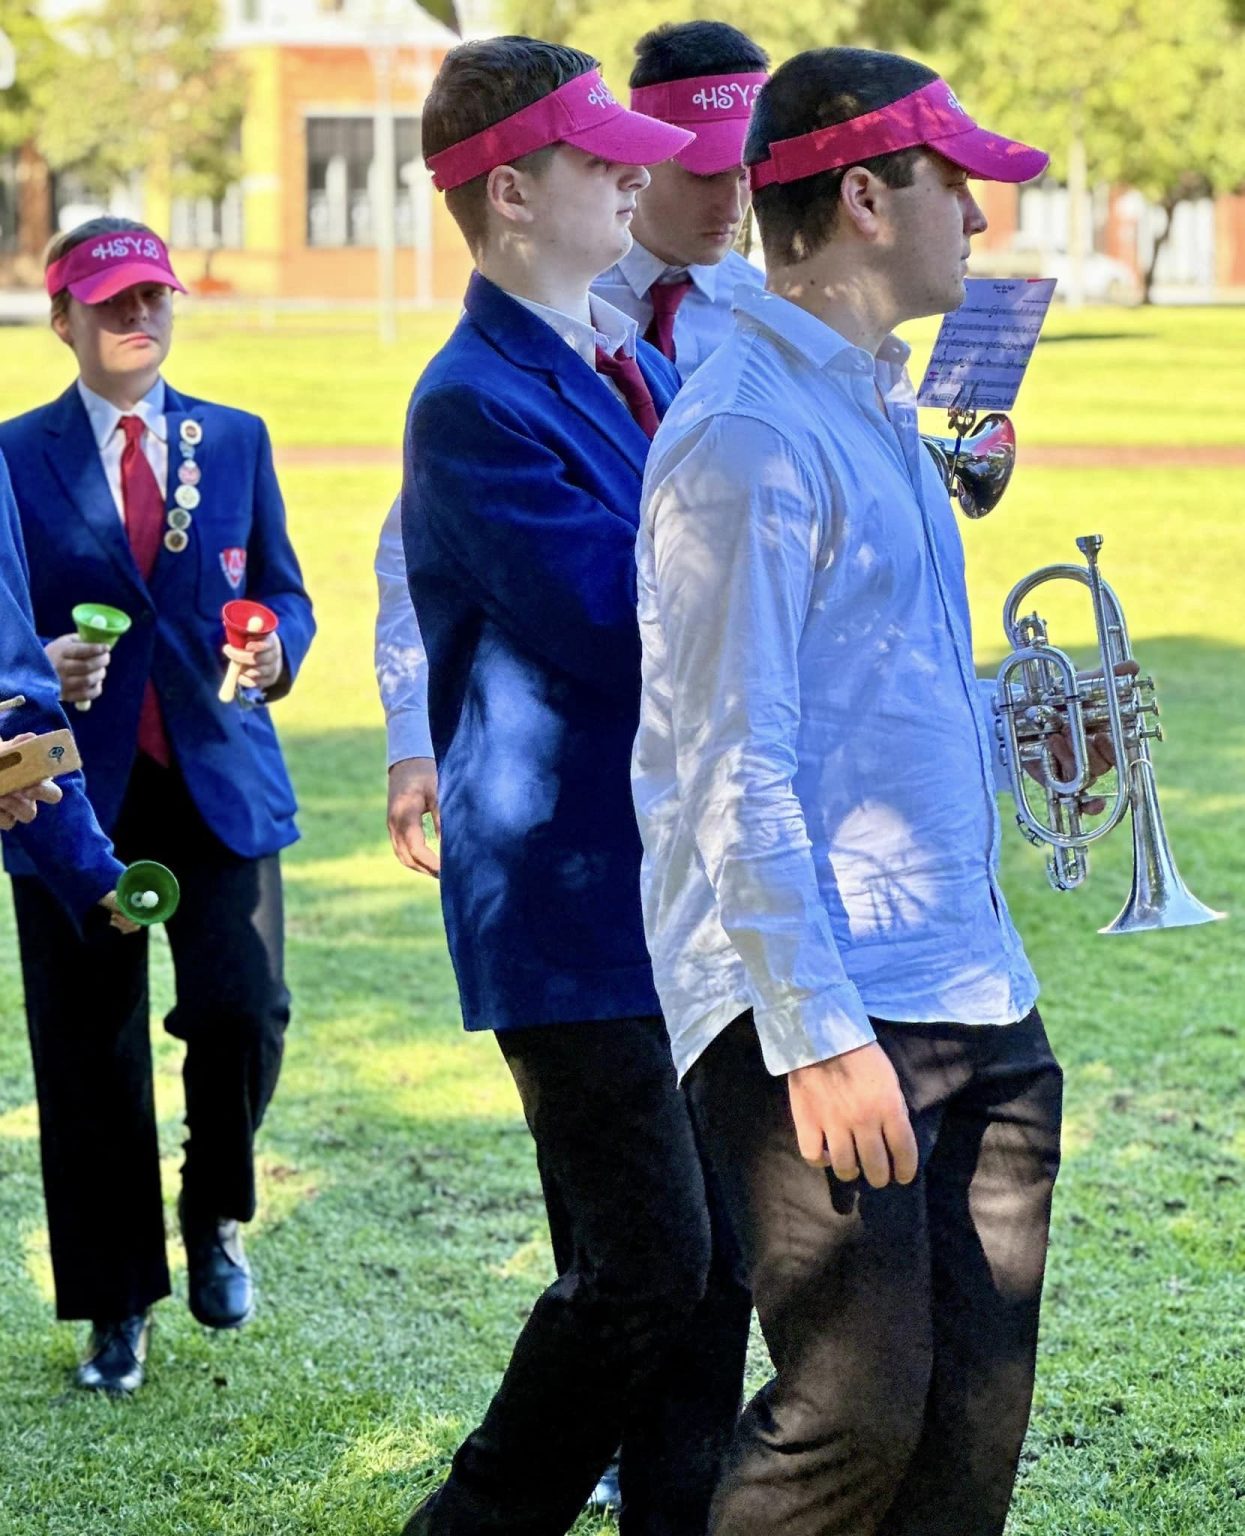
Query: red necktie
665,299
144,524
625,372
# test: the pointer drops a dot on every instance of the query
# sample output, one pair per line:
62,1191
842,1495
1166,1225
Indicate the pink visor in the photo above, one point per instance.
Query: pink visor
715,107
931,117
99,269
582,113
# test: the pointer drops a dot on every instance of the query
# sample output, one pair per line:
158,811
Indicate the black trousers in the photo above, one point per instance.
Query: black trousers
88,1015
902,1322
641,1339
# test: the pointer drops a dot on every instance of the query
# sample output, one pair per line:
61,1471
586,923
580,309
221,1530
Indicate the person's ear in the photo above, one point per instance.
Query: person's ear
507,194
861,199
60,325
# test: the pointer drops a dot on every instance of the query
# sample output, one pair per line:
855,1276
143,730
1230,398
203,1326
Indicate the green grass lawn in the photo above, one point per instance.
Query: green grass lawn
401,1236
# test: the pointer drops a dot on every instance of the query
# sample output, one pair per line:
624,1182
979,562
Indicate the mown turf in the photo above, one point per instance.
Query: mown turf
401,1239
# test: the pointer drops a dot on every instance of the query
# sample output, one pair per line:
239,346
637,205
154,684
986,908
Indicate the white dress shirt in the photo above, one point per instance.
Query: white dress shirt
702,321
400,659
814,770
104,418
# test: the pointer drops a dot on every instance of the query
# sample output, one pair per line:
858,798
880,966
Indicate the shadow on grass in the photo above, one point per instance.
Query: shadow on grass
1056,339
401,1238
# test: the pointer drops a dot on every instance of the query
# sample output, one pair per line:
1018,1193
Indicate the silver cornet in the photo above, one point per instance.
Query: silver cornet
1040,695
977,462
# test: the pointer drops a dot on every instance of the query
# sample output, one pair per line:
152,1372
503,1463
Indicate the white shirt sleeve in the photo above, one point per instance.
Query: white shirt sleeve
735,548
401,661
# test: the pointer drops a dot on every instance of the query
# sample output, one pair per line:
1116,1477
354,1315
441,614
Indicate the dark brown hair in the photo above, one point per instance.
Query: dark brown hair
811,91
481,83
681,50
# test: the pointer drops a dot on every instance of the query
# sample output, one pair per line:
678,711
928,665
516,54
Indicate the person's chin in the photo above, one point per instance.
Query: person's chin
955,295
715,248
131,356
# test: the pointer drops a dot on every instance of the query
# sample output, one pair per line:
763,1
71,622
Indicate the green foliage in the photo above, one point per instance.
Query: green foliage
443,11
401,1238
609,31
1154,89
39,56
142,88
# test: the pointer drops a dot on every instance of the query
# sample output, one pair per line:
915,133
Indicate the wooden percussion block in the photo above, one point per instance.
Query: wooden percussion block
43,757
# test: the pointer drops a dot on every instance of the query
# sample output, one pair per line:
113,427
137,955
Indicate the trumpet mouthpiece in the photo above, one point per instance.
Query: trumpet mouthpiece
1089,544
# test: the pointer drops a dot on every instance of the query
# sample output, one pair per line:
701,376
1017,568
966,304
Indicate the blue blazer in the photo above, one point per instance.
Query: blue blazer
64,843
520,505
78,552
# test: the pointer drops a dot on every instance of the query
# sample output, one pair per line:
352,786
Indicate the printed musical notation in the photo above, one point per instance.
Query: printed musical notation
984,347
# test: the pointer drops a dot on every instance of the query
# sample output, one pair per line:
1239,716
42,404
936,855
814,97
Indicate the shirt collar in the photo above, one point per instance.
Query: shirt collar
820,343
104,415
641,269
610,328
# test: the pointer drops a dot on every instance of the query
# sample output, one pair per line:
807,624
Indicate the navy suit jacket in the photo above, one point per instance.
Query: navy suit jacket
78,552
64,843
520,505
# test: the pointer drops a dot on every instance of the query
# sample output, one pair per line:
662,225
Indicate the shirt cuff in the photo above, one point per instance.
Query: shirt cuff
408,735
798,1034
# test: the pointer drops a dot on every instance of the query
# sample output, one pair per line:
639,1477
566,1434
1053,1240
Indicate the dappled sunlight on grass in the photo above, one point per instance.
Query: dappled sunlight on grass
400,1240
374,870
414,1080
20,1124
1078,1133
385,1450
37,1263
530,1261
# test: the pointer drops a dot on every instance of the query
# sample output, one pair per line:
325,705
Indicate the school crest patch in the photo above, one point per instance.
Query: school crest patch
233,563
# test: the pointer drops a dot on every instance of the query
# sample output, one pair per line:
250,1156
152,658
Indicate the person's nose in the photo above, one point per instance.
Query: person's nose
734,200
634,178
975,221
133,309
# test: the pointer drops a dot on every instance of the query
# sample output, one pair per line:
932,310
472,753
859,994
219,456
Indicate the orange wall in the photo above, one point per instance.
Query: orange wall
1001,206
1230,241
289,83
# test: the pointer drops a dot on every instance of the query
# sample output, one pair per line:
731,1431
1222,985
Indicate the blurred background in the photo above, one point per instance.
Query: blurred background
278,141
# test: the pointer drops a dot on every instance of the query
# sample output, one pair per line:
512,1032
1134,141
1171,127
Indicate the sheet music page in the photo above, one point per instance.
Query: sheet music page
984,347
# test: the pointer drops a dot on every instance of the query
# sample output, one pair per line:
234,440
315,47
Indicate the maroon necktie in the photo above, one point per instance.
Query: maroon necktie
144,526
665,299
625,372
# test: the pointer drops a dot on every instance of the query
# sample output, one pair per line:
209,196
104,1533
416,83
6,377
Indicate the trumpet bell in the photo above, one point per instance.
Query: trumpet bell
1159,898
976,467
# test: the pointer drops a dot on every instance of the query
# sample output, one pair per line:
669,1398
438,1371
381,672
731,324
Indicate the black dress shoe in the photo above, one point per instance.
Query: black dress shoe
420,1522
219,1277
115,1355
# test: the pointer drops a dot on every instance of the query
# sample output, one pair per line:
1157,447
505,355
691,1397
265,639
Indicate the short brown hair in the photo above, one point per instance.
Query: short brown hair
814,90
60,245
481,83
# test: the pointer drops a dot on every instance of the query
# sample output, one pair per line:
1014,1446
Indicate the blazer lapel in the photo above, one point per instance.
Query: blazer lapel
528,342
73,458
585,391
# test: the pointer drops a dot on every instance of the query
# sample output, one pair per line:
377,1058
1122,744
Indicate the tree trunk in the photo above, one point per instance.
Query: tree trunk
1160,240
36,218
1079,235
